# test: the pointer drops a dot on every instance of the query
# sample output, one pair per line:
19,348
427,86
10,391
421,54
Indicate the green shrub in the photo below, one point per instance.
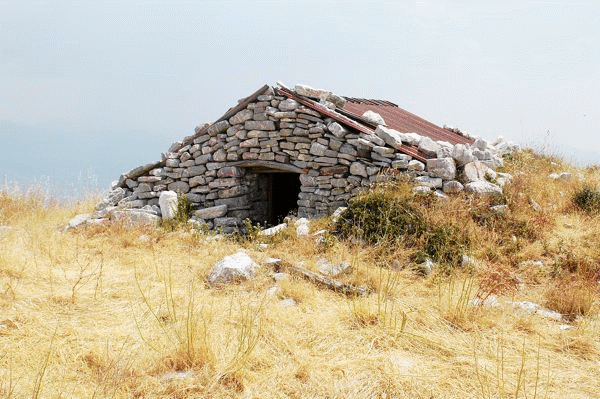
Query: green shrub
587,199
377,217
446,244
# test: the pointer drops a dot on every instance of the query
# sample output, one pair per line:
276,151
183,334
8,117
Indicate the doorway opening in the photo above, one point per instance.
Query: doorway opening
283,189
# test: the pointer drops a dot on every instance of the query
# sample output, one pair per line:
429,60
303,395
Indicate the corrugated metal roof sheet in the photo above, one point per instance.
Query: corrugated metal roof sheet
354,121
402,120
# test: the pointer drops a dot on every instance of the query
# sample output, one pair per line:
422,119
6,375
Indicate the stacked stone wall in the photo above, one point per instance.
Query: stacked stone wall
216,166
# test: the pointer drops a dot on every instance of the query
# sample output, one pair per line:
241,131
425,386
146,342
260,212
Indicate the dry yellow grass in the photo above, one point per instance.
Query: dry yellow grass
113,312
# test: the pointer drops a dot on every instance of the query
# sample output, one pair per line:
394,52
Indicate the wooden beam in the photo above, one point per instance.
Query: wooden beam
319,279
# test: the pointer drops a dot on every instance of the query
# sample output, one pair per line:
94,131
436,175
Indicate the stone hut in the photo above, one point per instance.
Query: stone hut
302,149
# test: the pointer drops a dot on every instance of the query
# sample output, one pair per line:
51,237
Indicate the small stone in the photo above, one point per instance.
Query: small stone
475,171
462,155
433,182
499,209
287,303
273,230
427,267
452,187
217,128
373,117
330,269
280,277
263,247
390,136
482,187
416,166
421,190
180,186
302,227
259,125
429,147
480,144
358,169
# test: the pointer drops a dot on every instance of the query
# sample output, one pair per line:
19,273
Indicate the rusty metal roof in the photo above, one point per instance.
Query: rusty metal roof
349,119
402,120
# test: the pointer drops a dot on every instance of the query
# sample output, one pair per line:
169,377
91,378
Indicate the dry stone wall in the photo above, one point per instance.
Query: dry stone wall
220,167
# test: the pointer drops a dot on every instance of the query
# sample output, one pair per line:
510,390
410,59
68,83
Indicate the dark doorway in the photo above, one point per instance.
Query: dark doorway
283,195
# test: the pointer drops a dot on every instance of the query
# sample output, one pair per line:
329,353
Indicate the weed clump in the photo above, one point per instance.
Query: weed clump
588,200
377,217
446,244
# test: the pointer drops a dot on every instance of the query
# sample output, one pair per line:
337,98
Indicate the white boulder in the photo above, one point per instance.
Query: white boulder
168,204
232,269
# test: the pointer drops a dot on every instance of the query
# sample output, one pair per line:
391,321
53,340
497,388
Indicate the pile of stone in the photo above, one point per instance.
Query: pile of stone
334,162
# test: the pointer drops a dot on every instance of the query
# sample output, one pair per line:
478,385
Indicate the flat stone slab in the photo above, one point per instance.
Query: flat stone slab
135,218
212,212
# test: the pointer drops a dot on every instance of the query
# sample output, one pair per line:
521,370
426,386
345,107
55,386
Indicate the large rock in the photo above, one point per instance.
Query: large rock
374,118
429,147
212,212
233,269
390,136
168,204
480,144
442,167
462,154
482,187
75,222
113,197
476,170
288,105
412,138
217,128
308,91
337,130
432,182
241,117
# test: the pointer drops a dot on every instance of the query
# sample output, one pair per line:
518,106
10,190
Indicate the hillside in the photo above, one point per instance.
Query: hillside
507,308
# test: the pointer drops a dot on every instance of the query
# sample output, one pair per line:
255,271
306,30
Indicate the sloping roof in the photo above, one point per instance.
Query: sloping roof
349,119
402,120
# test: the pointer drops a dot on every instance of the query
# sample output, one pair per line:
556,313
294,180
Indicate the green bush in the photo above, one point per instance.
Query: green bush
587,199
446,244
377,217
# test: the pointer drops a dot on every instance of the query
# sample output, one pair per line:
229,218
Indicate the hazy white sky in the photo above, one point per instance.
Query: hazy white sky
109,85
